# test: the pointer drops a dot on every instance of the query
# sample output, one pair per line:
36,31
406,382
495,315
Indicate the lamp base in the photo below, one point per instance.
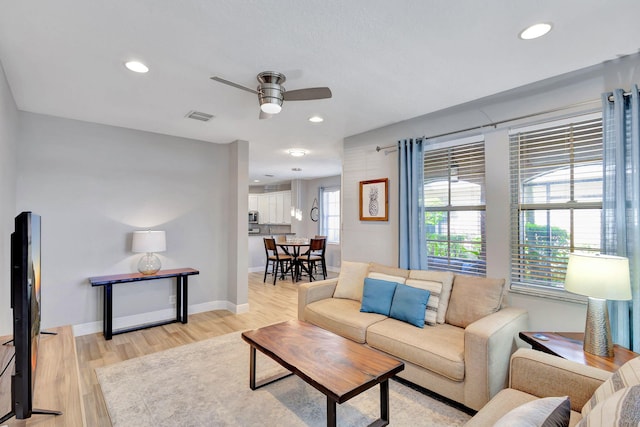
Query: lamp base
597,333
149,264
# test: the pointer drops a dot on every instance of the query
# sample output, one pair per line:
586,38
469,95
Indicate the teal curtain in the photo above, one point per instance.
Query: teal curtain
621,204
413,246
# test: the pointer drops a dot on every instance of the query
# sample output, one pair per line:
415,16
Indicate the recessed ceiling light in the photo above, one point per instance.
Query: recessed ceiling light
316,119
256,180
136,66
535,31
297,152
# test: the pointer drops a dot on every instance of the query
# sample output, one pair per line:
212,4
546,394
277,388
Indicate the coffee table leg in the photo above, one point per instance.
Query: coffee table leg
331,412
253,384
384,402
252,367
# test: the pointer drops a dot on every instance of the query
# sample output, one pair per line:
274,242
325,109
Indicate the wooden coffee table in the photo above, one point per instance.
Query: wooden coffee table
336,366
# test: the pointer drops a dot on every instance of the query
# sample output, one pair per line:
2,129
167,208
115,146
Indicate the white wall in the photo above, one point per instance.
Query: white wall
378,241
95,184
8,143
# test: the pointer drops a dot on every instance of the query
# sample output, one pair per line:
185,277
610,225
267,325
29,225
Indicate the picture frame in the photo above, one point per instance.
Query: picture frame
374,200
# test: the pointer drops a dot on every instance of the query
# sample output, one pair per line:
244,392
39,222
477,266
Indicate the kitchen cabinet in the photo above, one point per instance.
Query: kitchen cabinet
263,209
253,202
273,208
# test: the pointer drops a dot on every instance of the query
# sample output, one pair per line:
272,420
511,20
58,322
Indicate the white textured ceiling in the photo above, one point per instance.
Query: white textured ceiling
385,61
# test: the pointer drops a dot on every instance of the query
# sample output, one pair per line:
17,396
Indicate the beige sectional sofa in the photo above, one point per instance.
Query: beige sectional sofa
463,354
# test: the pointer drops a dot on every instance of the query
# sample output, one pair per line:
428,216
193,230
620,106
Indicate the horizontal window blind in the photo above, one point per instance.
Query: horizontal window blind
330,214
454,194
556,200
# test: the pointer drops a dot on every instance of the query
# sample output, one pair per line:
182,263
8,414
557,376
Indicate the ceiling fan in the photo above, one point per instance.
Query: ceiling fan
271,93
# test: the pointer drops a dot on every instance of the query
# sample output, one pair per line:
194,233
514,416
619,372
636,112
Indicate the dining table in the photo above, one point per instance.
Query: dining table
293,247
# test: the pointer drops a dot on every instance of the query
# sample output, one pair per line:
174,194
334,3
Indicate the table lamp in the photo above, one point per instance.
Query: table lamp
149,242
599,277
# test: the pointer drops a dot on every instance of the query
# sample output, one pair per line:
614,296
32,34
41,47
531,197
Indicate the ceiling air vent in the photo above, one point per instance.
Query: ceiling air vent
198,115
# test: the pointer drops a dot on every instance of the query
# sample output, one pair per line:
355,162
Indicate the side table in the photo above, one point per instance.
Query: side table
107,282
568,345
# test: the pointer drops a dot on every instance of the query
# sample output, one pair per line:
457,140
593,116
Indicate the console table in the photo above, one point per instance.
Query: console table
107,282
568,345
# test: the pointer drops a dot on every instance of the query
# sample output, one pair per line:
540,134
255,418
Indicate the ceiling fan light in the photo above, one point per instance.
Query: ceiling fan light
271,108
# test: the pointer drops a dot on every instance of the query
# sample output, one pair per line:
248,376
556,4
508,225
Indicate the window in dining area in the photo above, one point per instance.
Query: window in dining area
330,213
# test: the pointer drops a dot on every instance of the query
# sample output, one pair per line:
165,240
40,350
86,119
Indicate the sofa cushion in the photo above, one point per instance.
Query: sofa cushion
443,277
626,376
439,349
341,316
435,289
546,412
385,269
622,408
409,305
377,296
473,298
351,280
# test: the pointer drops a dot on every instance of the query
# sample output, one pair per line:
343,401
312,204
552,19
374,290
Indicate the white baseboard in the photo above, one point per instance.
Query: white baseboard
157,316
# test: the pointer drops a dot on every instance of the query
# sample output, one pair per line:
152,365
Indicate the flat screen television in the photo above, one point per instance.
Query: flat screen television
25,301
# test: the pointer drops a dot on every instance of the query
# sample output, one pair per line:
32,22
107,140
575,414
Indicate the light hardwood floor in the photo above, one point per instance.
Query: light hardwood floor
267,304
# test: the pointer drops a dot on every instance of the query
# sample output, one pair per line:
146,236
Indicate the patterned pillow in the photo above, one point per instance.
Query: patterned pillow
547,412
387,277
444,277
435,289
622,408
626,376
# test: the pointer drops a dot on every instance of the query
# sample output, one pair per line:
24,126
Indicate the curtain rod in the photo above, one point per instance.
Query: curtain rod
500,122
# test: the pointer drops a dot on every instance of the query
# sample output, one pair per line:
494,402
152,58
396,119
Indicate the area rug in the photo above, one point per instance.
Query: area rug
207,384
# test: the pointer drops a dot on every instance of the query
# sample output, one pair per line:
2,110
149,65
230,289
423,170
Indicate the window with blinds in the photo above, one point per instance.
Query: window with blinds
454,195
330,214
556,201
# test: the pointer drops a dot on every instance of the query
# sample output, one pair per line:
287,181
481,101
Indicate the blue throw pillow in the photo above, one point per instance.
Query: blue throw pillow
409,304
377,296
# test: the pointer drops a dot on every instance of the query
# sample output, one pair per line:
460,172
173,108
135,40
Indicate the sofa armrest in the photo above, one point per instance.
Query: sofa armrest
314,291
488,345
546,375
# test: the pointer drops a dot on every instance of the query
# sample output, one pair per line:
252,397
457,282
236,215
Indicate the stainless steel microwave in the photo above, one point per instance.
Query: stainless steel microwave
253,217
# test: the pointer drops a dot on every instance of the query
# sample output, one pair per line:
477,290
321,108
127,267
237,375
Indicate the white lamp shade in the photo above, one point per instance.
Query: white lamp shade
598,276
149,241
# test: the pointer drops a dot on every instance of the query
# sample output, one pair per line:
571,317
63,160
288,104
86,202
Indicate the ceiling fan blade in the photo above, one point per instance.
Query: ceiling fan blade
264,116
232,84
307,94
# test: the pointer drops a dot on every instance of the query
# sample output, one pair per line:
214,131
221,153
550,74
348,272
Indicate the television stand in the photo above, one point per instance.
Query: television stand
57,382
34,411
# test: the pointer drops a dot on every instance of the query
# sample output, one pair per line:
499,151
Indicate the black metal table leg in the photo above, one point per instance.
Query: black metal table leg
178,298
384,402
185,300
252,367
331,412
108,313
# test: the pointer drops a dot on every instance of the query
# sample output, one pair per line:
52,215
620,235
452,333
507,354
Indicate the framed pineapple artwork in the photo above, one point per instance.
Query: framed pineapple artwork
374,200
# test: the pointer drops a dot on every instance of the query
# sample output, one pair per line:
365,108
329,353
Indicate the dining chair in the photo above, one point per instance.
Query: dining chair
277,260
310,259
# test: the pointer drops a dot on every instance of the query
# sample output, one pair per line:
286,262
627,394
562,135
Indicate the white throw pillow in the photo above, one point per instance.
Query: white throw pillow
351,280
